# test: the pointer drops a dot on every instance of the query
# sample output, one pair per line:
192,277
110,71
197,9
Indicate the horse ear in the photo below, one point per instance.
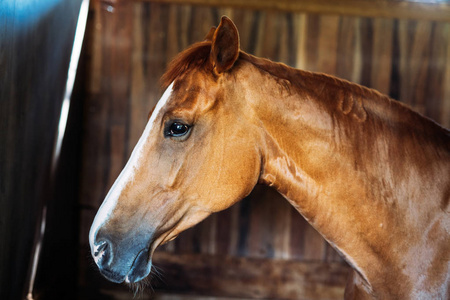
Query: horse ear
225,46
210,34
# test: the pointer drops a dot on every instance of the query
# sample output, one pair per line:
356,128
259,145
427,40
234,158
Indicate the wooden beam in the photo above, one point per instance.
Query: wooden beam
431,10
225,276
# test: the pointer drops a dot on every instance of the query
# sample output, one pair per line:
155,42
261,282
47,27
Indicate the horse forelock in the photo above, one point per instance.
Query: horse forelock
195,56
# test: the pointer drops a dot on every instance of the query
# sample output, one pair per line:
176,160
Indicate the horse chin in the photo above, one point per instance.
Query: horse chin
140,269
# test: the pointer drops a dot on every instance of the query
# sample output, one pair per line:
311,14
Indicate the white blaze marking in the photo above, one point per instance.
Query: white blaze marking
126,175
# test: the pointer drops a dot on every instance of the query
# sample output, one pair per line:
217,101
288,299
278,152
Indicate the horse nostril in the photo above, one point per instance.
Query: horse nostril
102,253
100,248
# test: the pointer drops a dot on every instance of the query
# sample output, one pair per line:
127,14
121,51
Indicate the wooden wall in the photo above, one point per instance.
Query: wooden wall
256,240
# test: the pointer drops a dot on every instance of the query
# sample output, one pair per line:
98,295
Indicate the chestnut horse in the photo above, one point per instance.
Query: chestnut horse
371,175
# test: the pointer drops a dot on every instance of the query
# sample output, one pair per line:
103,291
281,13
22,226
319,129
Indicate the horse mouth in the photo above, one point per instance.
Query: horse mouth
140,268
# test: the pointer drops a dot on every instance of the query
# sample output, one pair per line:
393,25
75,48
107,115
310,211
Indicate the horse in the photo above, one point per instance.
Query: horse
368,173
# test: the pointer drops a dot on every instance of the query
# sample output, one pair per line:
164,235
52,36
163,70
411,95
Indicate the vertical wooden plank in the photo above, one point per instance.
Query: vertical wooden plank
95,48
404,89
155,44
117,88
235,231
420,58
366,50
244,221
346,47
445,112
394,81
300,34
225,227
414,39
327,45
357,60
291,40
271,38
256,47
139,103
382,55
173,46
312,44
184,15
434,89
283,49
297,239
260,238
208,235
269,231
282,226
315,245
93,179
201,21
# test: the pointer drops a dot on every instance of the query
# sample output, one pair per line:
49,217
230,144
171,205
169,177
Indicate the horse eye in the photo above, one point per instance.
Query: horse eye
177,129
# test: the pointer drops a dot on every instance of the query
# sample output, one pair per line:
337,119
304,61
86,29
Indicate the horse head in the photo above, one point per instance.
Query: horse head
196,156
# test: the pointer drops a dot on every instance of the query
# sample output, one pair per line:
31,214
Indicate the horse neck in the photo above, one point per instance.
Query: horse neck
349,172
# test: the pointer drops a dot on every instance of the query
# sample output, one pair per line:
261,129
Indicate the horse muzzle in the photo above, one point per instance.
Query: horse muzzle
128,261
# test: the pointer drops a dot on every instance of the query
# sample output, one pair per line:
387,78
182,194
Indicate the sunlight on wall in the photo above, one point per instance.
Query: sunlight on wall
25,13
